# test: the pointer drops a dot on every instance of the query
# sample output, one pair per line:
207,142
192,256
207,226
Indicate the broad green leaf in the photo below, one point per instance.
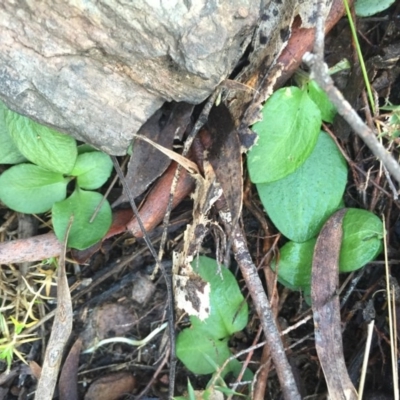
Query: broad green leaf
42,145
92,169
85,148
287,135
361,243
30,189
362,239
320,98
366,8
9,153
200,353
300,203
204,347
81,205
294,268
229,311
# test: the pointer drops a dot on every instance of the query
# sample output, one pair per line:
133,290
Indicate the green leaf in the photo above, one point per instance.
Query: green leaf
92,169
9,153
204,347
235,367
196,350
229,311
320,98
287,135
362,239
30,189
85,148
191,393
294,268
81,204
42,145
366,8
300,203
361,243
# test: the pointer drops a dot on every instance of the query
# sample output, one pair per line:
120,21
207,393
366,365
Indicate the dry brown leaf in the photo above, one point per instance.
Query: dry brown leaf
111,387
35,368
61,330
326,309
192,293
146,163
68,384
225,157
190,166
106,321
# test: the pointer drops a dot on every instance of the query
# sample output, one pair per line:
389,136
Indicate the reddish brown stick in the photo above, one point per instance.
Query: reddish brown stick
153,210
45,246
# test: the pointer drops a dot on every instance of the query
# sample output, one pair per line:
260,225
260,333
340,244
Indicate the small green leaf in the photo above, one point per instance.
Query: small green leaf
42,145
229,311
9,153
300,203
287,135
204,347
235,367
366,8
362,239
196,350
85,148
92,169
294,268
361,243
30,189
320,98
191,393
81,205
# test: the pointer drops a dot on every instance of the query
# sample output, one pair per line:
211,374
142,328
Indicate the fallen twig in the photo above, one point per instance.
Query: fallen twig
319,72
62,327
263,307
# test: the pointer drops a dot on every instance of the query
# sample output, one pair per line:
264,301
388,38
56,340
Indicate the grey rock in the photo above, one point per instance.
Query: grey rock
98,70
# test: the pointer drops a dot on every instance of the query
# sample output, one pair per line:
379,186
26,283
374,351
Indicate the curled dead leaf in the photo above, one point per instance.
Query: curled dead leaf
326,309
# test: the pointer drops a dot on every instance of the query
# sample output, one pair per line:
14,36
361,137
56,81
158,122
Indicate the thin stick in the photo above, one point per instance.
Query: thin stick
264,311
170,294
390,313
319,73
394,350
188,143
110,186
353,164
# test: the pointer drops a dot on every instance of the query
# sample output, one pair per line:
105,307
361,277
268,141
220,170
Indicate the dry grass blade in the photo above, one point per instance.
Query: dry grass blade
61,330
190,166
392,324
326,309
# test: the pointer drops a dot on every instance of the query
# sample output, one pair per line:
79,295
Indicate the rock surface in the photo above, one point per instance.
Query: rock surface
99,70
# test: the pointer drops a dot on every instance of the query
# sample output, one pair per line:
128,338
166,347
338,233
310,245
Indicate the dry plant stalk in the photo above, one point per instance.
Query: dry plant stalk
60,332
326,309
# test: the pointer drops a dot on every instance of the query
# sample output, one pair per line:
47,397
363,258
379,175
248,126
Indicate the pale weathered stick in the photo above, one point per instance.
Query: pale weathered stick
264,311
319,72
61,330
262,305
